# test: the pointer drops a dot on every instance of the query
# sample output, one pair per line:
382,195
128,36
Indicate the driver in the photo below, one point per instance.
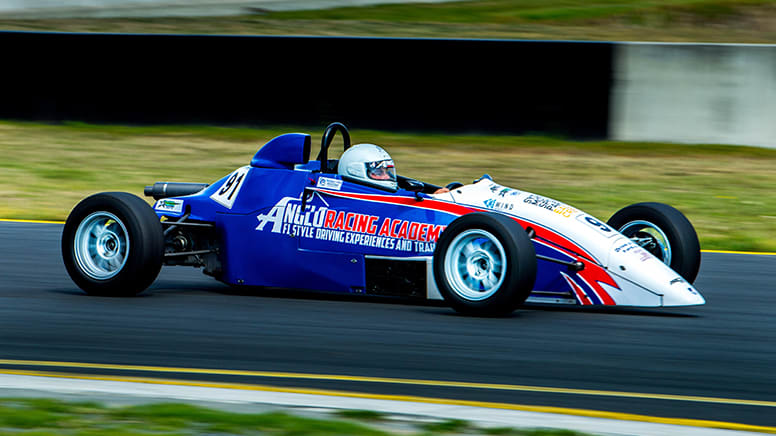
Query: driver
370,164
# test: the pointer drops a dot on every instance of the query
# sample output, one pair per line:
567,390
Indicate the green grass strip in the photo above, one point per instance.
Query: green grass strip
521,11
48,417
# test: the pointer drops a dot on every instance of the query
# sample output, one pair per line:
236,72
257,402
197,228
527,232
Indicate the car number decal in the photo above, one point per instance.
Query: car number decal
598,225
227,193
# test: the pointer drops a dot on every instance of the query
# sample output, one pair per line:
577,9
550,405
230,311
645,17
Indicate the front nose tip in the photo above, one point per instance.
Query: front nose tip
683,295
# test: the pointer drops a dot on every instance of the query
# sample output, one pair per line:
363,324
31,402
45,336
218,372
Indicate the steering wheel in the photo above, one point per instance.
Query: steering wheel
453,185
328,136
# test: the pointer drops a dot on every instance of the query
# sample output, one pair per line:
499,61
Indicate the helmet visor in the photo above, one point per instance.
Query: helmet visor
381,170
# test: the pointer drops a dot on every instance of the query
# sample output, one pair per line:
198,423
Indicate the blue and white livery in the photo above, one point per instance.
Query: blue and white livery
286,221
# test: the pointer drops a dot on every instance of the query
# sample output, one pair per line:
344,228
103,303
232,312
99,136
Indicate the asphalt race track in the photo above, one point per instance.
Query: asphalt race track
649,362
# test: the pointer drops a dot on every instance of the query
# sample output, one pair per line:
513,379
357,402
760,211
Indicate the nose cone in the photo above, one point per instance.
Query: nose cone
681,293
646,281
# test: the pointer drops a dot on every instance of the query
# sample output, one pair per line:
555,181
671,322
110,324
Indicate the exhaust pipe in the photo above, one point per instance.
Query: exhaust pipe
161,190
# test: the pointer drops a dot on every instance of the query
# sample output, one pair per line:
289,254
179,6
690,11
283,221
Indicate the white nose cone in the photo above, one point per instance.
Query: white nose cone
646,281
682,293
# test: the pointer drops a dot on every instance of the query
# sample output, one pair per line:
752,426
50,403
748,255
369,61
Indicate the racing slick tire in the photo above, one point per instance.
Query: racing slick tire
484,264
113,244
663,231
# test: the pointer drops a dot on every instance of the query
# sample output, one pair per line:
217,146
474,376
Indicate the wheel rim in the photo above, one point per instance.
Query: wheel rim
475,264
101,245
650,237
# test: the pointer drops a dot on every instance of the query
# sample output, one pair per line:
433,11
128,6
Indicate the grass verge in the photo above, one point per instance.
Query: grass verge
743,21
726,191
47,417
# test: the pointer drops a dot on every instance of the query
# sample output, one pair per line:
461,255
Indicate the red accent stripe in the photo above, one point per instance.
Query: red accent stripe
581,296
598,275
593,273
427,203
590,269
559,241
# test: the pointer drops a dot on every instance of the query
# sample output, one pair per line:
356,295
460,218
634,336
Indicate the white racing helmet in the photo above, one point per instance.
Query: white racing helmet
368,163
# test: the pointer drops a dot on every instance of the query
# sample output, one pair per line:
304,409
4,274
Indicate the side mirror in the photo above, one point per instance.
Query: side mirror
416,187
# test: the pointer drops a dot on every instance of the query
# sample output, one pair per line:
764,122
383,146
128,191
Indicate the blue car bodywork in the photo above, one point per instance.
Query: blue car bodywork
282,222
268,237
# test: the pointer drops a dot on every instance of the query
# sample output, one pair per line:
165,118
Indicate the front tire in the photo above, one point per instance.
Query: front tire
113,244
484,264
663,231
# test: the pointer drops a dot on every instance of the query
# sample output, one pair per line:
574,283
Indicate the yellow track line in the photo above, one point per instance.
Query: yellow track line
410,398
756,253
6,220
388,380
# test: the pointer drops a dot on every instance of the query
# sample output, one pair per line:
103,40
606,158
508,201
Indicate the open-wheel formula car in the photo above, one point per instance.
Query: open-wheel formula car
285,221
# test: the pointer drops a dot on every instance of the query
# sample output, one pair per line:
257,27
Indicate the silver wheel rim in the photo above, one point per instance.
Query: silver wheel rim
101,245
475,265
650,237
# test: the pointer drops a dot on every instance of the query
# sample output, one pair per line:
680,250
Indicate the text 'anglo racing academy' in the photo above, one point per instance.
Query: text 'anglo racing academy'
322,223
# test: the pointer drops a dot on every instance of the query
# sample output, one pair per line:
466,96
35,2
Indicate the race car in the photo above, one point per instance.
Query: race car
285,221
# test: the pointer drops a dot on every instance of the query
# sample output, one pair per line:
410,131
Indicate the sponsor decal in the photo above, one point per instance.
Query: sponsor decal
493,203
565,211
346,227
502,191
630,247
227,193
329,183
550,204
169,205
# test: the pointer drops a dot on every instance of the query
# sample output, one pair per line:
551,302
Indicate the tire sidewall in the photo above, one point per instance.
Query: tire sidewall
146,244
681,235
519,272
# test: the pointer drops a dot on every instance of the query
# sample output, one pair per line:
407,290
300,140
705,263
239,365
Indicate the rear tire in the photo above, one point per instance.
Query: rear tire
484,264
113,244
663,231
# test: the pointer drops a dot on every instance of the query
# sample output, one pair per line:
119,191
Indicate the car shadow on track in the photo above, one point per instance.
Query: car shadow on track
435,307
638,311
302,294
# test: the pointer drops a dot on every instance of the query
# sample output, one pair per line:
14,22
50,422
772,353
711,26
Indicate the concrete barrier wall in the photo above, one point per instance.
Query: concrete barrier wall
694,93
